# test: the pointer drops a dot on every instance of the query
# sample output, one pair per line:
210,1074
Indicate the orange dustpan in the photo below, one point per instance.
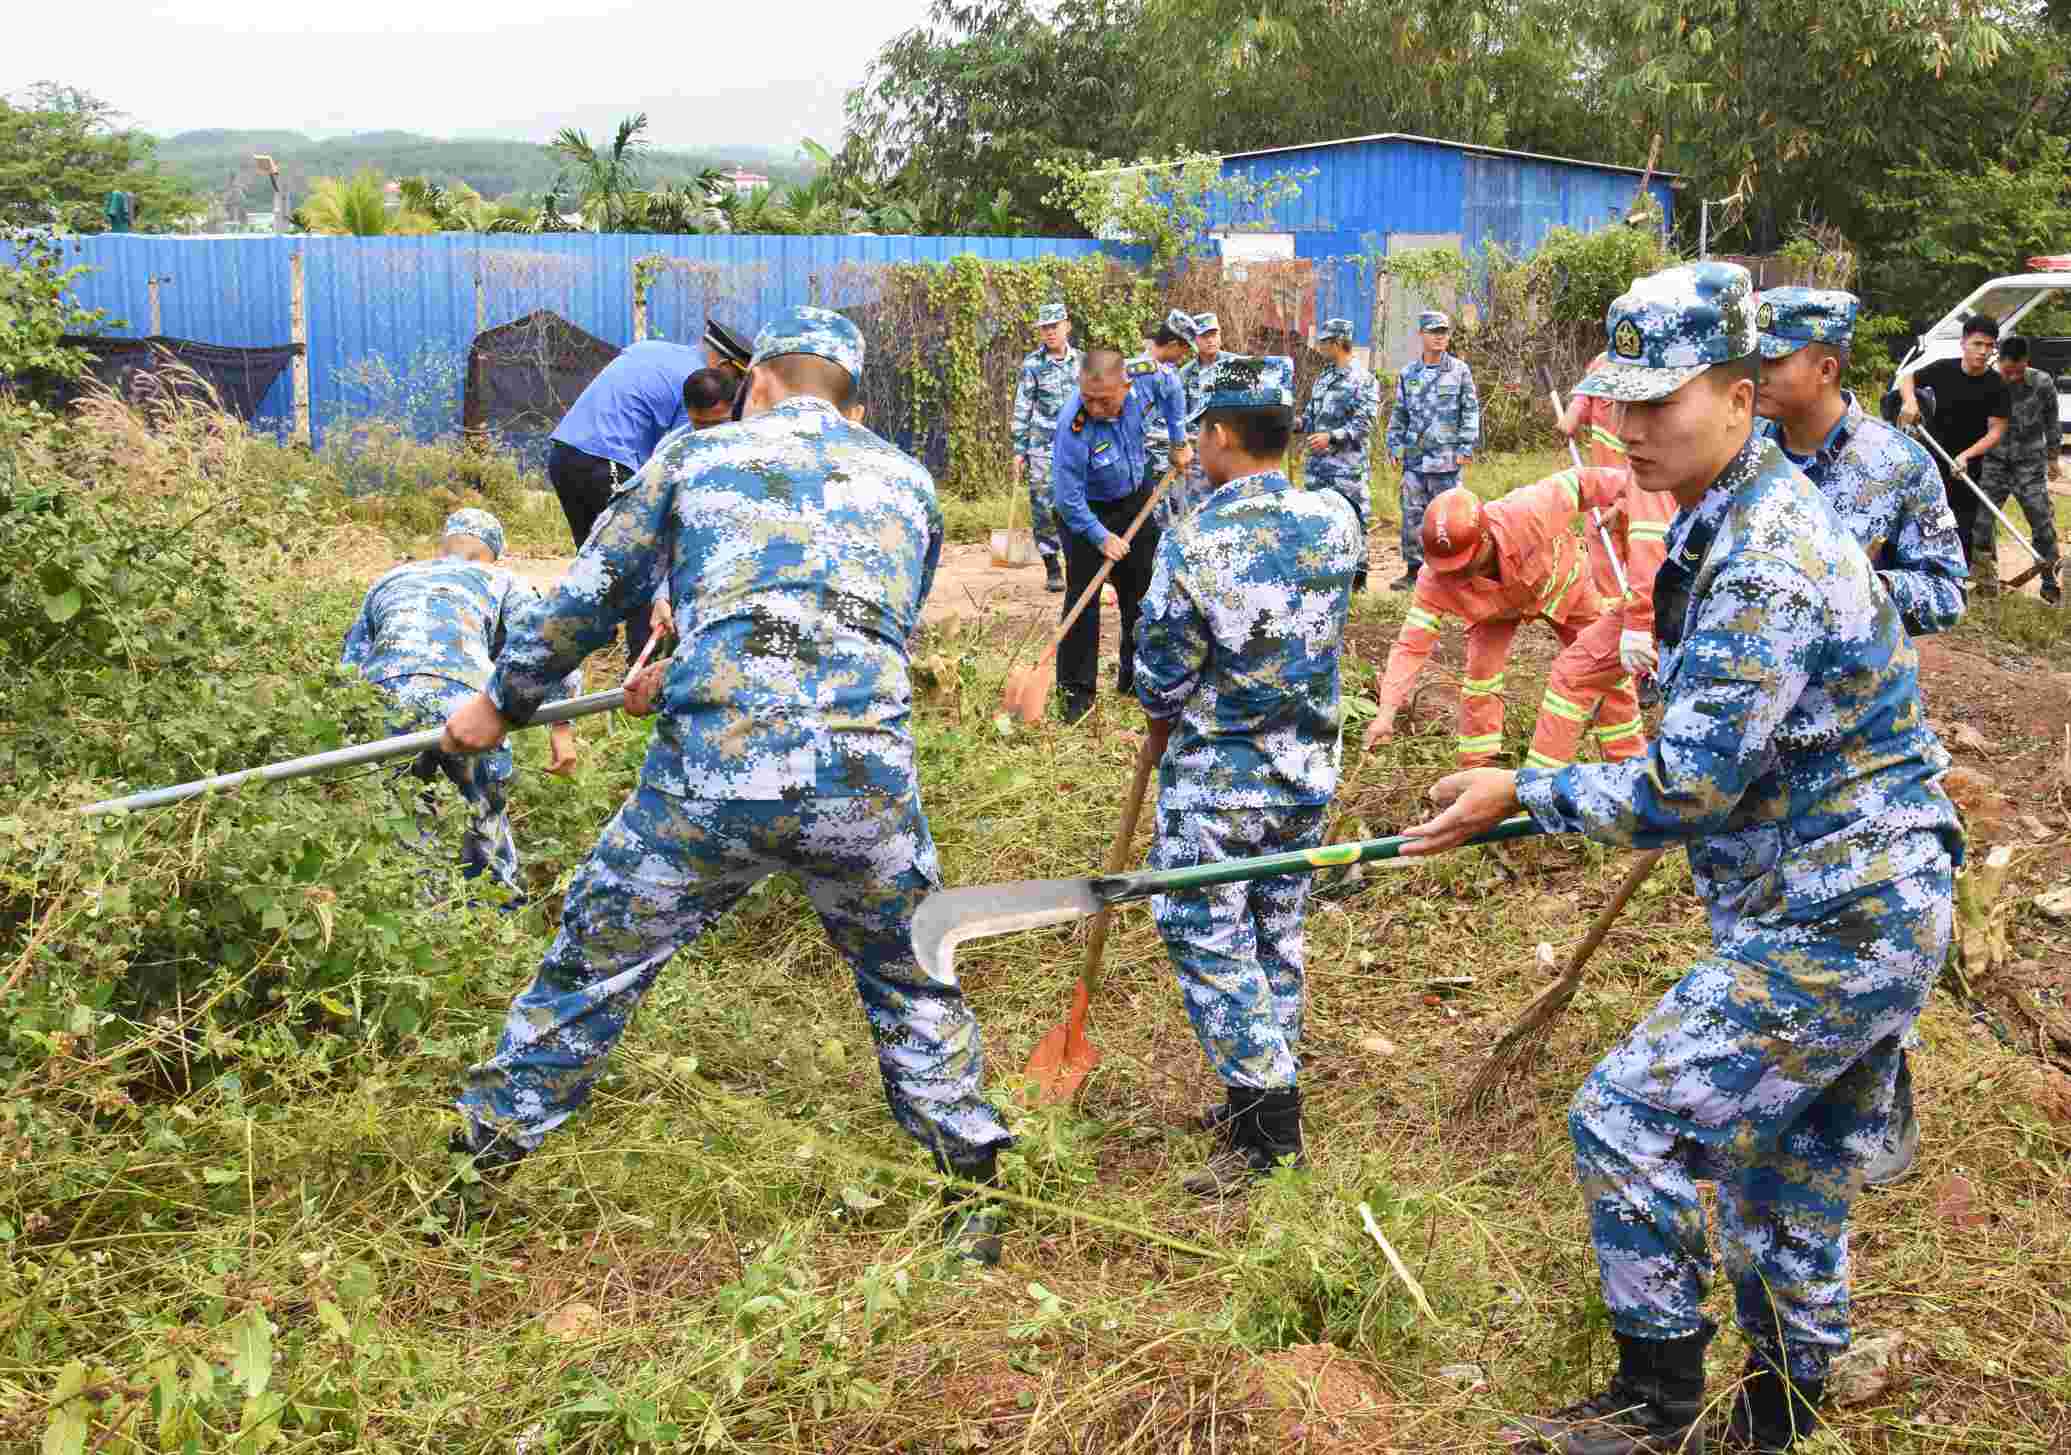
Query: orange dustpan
1028,688
1065,1057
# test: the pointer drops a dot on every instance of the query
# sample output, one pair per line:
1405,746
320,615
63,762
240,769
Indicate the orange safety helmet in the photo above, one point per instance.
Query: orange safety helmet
1453,528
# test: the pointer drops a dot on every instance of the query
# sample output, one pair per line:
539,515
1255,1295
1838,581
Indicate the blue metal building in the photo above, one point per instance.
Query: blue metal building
1375,194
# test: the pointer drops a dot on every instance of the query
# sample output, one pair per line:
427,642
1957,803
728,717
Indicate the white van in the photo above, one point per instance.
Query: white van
2043,296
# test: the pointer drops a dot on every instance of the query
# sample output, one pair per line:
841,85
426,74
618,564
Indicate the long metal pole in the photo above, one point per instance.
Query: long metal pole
1920,433
406,745
1603,534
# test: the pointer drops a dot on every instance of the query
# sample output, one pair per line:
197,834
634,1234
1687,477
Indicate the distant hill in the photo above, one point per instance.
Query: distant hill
219,162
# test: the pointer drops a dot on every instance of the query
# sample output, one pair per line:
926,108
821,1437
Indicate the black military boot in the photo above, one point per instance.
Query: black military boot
2051,591
1074,704
1771,1411
1652,1407
1053,574
1359,582
1259,1129
494,1159
1407,581
972,1226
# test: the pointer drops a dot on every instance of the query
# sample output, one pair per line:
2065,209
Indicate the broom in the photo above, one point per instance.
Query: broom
1525,1042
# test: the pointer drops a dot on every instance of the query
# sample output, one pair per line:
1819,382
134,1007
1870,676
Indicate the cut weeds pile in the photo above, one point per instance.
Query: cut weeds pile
235,1025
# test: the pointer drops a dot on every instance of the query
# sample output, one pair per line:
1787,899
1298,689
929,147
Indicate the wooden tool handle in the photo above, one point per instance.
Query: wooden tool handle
1641,868
1118,860
1092,592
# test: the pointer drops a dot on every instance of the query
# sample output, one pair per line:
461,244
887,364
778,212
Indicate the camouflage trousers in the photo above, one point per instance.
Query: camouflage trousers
482,779
1769,1069
2026,483
1237,948
1042,503
1157,460
664,870
1356,488
1419,489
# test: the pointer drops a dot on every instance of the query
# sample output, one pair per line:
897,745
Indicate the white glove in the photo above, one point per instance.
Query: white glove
1636,653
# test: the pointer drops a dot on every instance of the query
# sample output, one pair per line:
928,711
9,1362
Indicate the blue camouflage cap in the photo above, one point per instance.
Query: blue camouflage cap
820,332
1432,321
1670,327
1790,318
1050,313
1207,323
1334,328
477,525
1240,381
1181,323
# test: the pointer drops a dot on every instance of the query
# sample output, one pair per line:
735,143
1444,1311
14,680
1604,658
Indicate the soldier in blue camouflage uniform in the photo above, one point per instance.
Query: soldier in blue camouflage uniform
1887,491
1237,665
1339,419
1883,485
426,636
1171,347
1796,761
1048,374
1193,483
798,548
1433,430
2027,457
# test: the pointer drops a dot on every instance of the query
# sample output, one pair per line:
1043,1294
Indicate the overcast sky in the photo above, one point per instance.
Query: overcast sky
735,71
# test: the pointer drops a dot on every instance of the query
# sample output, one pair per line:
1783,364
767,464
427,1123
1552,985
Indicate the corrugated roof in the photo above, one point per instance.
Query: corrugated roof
1456,146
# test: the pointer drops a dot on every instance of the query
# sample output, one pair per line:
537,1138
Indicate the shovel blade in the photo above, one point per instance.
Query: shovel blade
1065,1057
948,917
1028,691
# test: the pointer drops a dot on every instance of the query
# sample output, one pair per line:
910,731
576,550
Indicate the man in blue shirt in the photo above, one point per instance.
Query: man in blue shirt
610,431
1099,475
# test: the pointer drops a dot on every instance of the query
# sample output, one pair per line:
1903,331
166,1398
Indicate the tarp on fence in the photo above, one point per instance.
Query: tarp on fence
144,370
522,376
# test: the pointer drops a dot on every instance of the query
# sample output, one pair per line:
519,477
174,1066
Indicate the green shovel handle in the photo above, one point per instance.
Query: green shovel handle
1117,888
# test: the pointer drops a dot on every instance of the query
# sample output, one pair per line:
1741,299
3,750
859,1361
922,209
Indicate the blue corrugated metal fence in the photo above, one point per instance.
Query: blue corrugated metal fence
389,319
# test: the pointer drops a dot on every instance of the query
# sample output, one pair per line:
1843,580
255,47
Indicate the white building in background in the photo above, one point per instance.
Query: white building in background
743,182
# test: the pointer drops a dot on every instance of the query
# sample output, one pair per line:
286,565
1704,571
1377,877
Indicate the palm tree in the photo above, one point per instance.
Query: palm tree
460,208
604,181
357,206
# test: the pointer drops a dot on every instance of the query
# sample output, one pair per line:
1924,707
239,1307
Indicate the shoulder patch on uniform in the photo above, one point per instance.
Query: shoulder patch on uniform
1139,367
1078,421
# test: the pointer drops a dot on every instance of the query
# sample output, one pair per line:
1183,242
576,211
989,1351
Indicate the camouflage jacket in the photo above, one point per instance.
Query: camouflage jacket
1437,416
1344,402
444,618
1039,399
2034,432
1190,379
798,548
1888,493
1157,439
1239,639
1794,754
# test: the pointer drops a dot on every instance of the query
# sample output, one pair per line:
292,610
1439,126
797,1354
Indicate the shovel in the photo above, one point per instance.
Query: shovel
948,917
1012,548
1065,1057
1919,432
1029,687
407,745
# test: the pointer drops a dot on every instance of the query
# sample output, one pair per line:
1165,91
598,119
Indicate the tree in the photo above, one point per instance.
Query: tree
1170,204
460,208
1493,72
955,116
61,154
1797,105
1952,230
603,181
357,206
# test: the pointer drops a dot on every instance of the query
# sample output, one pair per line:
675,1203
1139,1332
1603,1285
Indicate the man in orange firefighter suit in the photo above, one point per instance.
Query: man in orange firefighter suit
1498,566
1623,640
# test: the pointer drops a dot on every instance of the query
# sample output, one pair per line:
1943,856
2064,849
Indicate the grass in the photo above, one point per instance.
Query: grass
733,1249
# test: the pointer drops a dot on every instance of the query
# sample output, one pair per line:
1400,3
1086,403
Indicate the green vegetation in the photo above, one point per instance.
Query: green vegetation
234,1026
219,164
63,151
